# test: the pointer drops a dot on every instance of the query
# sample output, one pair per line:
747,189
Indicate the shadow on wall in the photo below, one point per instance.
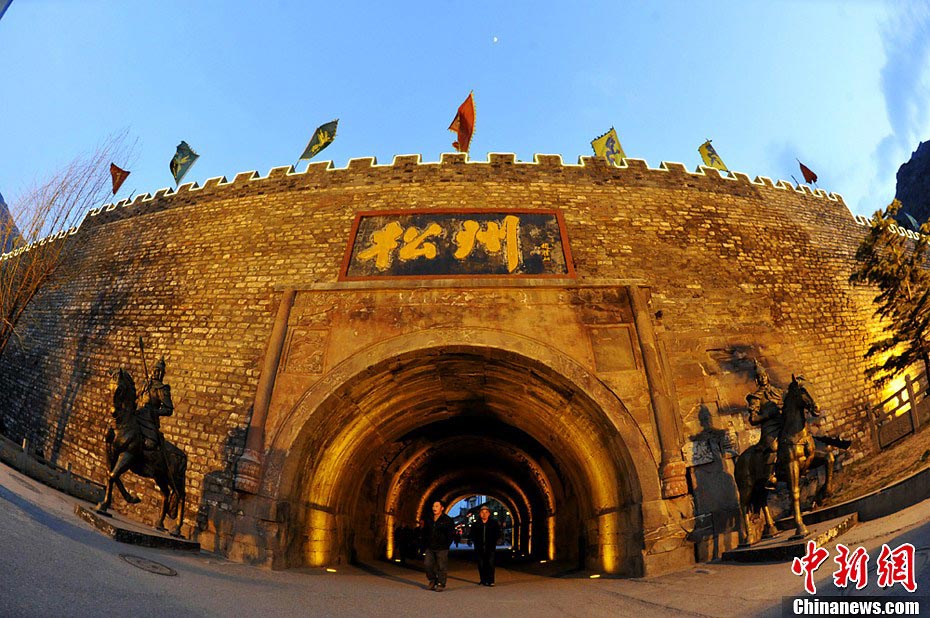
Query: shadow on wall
124,284
91,297
716,502
106,304
734,369
215,496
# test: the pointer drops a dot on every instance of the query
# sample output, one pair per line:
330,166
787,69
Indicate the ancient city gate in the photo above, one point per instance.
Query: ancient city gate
346,345
389,396
418,378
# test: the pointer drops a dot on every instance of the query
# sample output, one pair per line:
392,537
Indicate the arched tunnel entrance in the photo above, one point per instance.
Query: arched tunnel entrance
478,454
449,421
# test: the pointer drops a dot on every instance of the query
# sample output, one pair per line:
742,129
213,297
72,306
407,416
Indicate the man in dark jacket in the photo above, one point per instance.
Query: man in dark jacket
438,531
485,533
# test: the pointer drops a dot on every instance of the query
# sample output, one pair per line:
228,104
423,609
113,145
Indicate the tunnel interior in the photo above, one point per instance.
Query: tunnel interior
441,424
471,454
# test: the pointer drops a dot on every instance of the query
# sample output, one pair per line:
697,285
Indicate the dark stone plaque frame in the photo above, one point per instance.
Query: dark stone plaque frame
545,225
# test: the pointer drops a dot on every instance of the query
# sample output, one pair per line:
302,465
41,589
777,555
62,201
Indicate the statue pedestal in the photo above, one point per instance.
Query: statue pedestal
783,548
114,526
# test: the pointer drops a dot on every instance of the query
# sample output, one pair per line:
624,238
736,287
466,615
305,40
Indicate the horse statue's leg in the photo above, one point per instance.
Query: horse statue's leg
744,487
181,497
829,460
794,484
178,477
745,535
165,495
770,530
123,461
170,477
128,497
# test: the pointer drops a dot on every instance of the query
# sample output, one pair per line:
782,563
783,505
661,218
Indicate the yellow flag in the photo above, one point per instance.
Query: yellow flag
710,156
608,146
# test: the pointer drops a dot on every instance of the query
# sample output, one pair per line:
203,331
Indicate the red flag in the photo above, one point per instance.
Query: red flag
464,124
119,177
809,176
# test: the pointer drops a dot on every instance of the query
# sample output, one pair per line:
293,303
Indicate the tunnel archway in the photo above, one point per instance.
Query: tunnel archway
507,509
495,465
422,418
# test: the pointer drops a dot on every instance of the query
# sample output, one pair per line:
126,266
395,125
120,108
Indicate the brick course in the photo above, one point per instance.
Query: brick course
735,266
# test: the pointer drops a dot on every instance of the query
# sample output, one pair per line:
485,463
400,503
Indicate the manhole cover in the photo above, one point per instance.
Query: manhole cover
148,565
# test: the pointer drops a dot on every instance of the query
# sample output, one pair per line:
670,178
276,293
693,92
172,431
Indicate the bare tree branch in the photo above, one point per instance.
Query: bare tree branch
43,216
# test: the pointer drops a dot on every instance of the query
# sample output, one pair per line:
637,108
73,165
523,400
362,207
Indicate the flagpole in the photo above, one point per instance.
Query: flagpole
795,181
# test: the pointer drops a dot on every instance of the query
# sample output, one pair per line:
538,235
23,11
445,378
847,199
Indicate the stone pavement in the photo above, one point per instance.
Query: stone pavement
54,564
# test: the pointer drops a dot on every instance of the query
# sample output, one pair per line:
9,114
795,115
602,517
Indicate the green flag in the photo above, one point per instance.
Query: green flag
182,161
322,138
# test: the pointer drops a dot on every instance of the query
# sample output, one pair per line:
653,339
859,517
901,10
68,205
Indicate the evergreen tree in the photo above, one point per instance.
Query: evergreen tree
895,265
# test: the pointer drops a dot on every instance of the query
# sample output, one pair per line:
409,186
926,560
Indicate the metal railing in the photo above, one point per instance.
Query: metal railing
902,412
62,479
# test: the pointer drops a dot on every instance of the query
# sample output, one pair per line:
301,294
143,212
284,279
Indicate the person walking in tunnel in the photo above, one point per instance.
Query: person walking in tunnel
485,533
438,532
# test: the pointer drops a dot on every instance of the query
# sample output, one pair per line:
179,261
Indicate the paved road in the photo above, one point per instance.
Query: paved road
53,564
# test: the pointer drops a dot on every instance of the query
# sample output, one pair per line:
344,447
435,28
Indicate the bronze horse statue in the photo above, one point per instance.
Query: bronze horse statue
797,453
166,464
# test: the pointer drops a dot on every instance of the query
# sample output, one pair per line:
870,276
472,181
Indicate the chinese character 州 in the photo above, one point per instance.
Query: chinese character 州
808,563
491,239
896,567
853,567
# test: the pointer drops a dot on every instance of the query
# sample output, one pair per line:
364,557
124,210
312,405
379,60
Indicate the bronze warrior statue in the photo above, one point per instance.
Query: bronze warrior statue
157,404
764,407
786,448
136,443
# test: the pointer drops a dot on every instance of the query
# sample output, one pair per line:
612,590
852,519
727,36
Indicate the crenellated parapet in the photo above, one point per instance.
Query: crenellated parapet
457,166
38,243
451,167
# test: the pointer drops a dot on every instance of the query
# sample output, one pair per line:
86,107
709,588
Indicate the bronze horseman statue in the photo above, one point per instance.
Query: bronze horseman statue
137,444
786,450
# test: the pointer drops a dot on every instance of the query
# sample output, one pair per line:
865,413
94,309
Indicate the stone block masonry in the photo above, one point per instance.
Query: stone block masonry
735,269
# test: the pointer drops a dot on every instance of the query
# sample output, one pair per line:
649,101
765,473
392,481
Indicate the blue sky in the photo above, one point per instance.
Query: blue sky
842,85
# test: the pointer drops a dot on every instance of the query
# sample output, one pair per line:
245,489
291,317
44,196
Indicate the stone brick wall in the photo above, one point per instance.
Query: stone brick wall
737,269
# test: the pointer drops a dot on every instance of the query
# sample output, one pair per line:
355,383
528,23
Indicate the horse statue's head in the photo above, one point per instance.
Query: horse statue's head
799,392
124,390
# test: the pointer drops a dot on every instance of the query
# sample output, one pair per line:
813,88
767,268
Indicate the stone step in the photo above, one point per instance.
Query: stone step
782,547
124,531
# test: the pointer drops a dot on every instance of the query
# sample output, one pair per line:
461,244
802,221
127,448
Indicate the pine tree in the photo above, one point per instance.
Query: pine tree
896,266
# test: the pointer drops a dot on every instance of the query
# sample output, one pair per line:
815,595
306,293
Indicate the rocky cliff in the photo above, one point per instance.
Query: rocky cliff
913,190
8,237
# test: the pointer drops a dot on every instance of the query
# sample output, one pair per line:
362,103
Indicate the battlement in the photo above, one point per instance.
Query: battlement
458,161
38,243
450,167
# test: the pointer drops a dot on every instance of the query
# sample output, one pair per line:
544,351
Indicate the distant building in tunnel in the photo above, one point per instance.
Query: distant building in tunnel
346,345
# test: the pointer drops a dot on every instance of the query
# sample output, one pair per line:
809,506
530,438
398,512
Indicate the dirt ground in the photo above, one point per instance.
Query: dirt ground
910,455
